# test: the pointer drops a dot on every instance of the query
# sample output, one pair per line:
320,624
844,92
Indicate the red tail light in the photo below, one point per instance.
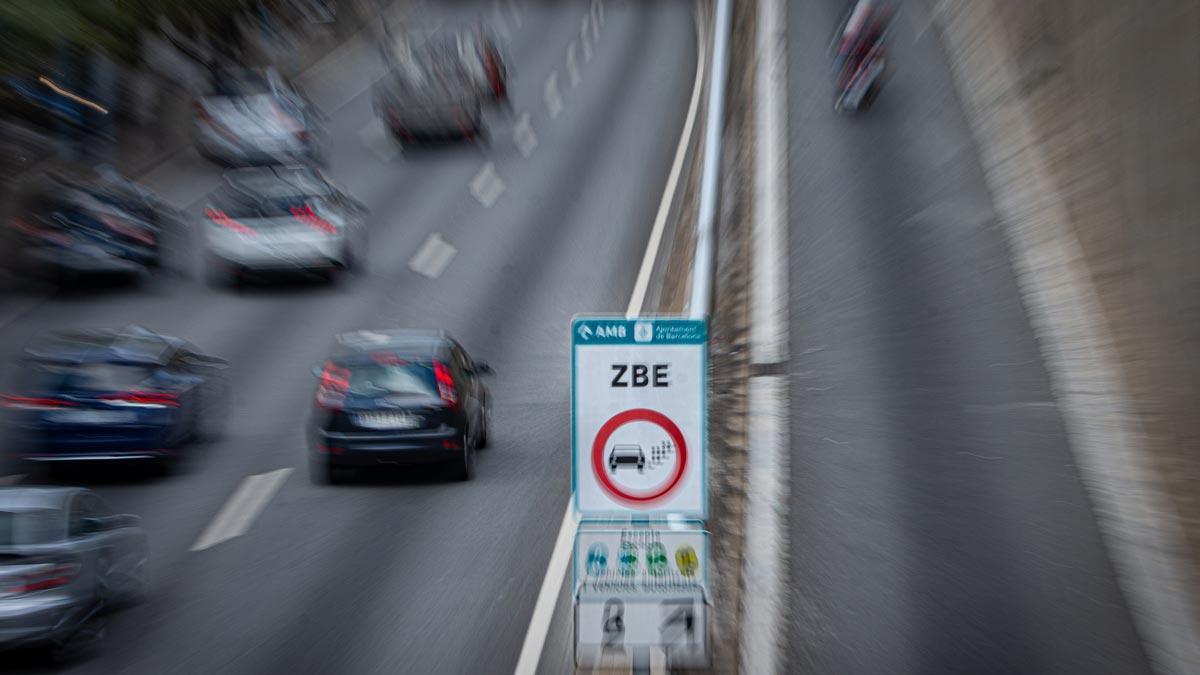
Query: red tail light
220,218
50,576
33,403
445,383
306,215
143,399
201,111
335,382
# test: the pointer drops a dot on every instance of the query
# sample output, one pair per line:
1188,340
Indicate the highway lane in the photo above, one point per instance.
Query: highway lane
937,521
413,573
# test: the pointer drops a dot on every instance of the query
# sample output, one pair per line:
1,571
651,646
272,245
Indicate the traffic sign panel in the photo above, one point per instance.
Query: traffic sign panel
638,416
614,628
640,561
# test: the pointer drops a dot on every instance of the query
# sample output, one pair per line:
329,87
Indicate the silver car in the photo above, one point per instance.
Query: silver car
254,117
282,219
65,558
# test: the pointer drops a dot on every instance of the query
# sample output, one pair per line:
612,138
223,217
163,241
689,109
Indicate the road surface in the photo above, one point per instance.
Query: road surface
937,522
413,574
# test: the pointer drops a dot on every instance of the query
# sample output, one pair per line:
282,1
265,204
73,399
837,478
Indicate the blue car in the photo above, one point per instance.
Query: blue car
127,395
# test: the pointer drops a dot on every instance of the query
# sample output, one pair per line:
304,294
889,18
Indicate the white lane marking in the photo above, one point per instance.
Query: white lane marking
554,102
560,559
433,257
572,64
664,206
543,610
591,15
585,39
501,24
12,479
598,10
523,136
375,138
516,12
486,186
247,502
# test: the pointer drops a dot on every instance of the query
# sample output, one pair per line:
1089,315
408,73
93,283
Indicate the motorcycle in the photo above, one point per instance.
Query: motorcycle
860,55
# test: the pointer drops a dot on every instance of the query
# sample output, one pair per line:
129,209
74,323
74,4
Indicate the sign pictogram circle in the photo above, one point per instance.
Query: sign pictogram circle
638,497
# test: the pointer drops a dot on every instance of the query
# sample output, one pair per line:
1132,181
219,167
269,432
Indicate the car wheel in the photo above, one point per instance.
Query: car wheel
322,473
487,423
84,640
464,466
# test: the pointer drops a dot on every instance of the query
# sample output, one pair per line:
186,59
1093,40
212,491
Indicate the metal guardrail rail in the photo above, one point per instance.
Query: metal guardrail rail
704,264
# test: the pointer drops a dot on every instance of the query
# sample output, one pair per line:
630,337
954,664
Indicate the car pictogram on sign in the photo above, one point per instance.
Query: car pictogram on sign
622,455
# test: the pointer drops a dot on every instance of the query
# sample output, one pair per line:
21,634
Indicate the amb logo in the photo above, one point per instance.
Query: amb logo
611,331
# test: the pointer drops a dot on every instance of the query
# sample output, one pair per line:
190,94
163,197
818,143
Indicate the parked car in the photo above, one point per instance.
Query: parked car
398,398
251,117
282,219
129,395
73,220
65,560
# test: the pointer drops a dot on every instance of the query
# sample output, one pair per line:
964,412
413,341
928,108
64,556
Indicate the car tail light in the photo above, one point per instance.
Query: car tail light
335,382
25,227
45,577
33,402
133,232
306,215
220,218
445,383
143,399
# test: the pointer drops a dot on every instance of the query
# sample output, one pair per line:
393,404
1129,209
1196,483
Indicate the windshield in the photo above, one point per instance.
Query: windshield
400,377
53,378
29,526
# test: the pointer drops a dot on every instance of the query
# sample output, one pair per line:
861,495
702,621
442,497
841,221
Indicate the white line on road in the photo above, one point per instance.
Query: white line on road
486,186
554,102
598,10
247,502
12,479
572,64
594,23
374,137
543,611
523,136
664,207
433,257
585,39
560,559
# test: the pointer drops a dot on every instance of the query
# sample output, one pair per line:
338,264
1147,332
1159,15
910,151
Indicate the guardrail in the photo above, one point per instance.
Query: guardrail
704,263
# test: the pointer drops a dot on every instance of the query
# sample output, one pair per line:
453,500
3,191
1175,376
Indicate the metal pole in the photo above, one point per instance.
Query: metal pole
705,261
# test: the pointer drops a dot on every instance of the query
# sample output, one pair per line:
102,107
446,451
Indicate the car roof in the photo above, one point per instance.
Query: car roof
400,341
278,181
132,344
15,498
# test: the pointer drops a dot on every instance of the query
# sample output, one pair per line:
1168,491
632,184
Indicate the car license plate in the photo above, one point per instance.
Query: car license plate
92,417
387,420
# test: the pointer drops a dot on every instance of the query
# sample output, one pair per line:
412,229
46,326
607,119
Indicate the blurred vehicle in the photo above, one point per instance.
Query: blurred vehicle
72,220
398,398
113,395
860,57
252,117
428,93
65,558
282,219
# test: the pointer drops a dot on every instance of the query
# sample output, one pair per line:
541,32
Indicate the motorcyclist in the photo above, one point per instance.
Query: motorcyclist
861,40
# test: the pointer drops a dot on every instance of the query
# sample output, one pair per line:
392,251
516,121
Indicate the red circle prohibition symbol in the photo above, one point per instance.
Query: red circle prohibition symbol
644,497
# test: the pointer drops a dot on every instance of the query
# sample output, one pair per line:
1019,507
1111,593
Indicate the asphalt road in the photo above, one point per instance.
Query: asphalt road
410,573
937,521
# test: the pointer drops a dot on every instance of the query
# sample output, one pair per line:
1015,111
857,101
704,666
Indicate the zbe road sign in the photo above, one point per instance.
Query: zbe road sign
638,417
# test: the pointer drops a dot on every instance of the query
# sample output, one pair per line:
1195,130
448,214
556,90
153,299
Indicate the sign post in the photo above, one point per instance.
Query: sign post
639,458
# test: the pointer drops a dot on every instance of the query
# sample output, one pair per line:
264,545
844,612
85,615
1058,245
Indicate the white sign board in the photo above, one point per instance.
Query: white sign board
638,417
610,630
641,561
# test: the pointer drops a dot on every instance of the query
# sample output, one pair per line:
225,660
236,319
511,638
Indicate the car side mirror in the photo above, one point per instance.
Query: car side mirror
482,368
93,525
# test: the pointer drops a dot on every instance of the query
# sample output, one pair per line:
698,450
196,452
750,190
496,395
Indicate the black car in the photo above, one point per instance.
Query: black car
72,221
398,398
127,395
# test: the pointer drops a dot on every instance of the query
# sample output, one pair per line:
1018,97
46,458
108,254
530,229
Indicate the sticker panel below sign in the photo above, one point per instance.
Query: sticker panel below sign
641,561
615,629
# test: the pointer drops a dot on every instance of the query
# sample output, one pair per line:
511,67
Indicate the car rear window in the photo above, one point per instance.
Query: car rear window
49,378
29,526
239,205
388,375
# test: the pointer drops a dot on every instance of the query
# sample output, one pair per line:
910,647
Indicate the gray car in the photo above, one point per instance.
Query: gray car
65,558
427,94
252,117
282,219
